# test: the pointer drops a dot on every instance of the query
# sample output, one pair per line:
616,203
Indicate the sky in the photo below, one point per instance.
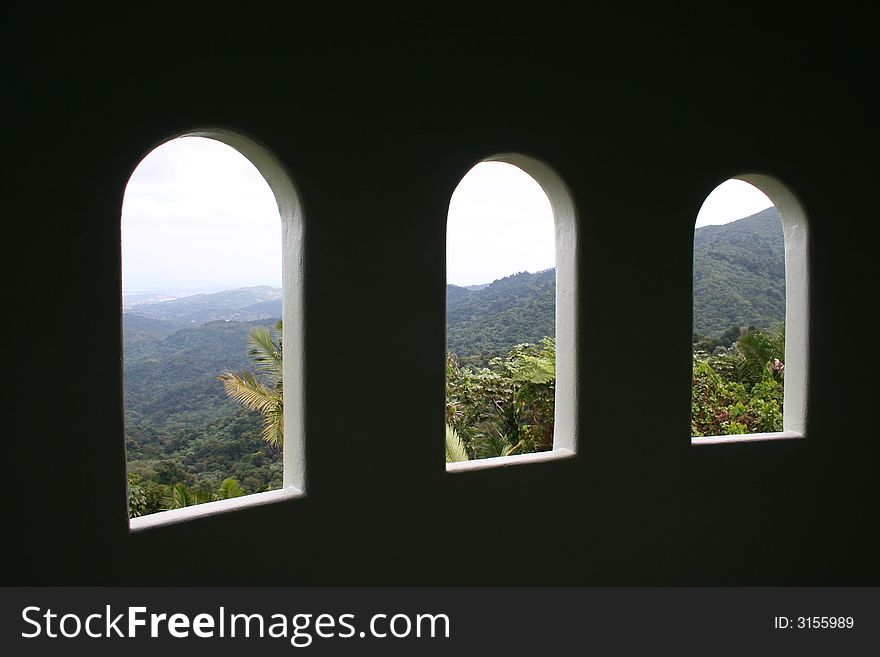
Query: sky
731,200
499,223
197,216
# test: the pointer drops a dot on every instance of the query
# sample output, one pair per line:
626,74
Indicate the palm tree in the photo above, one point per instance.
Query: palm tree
250,391
759,354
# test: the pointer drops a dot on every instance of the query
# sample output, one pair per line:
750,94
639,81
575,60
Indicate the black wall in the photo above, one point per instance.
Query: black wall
377,116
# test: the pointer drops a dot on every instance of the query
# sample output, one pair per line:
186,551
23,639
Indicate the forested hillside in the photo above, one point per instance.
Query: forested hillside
487,322
739,274
180,426
173,381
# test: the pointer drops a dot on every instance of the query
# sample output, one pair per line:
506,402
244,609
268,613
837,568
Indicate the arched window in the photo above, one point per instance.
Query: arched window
211,265
511,371
750,313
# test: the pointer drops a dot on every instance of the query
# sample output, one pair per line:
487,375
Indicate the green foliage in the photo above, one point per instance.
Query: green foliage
202,458
170,382
228,489
174,464
178,497
759,354
151,497
168,472
496,444
455,449
181,429
720,343
250,391
741,390
507,407
137,496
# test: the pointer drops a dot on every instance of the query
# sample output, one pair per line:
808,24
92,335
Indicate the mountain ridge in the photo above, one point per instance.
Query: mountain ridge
238,304
738,279
739,273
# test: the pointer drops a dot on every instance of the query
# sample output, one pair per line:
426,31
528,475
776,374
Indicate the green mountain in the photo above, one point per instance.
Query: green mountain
175,349
179,423
739,274
486,321
172,380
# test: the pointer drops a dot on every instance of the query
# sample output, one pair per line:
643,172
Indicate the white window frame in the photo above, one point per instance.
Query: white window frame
292,227
795,230
565,431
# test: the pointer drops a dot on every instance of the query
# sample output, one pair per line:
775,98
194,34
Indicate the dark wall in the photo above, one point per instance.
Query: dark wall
377,118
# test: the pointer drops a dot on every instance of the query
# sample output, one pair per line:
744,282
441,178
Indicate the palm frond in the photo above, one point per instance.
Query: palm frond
230,488
495,443
252,393
755,350
244,388
178,497
266,352
455,450
273,425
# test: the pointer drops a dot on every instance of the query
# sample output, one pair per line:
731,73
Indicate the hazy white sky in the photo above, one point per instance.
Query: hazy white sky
198,216
731,200
499,223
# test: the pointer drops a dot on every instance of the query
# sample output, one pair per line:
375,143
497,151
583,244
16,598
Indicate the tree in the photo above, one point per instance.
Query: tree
248,389
179,496
137,496
507,407
759,353
740,391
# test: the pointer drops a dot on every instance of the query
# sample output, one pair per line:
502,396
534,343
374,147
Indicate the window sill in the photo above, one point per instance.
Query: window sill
746,438
174,516
507,461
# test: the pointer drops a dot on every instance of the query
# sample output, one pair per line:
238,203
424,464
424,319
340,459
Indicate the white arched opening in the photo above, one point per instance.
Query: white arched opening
796,313
563,247
290,271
